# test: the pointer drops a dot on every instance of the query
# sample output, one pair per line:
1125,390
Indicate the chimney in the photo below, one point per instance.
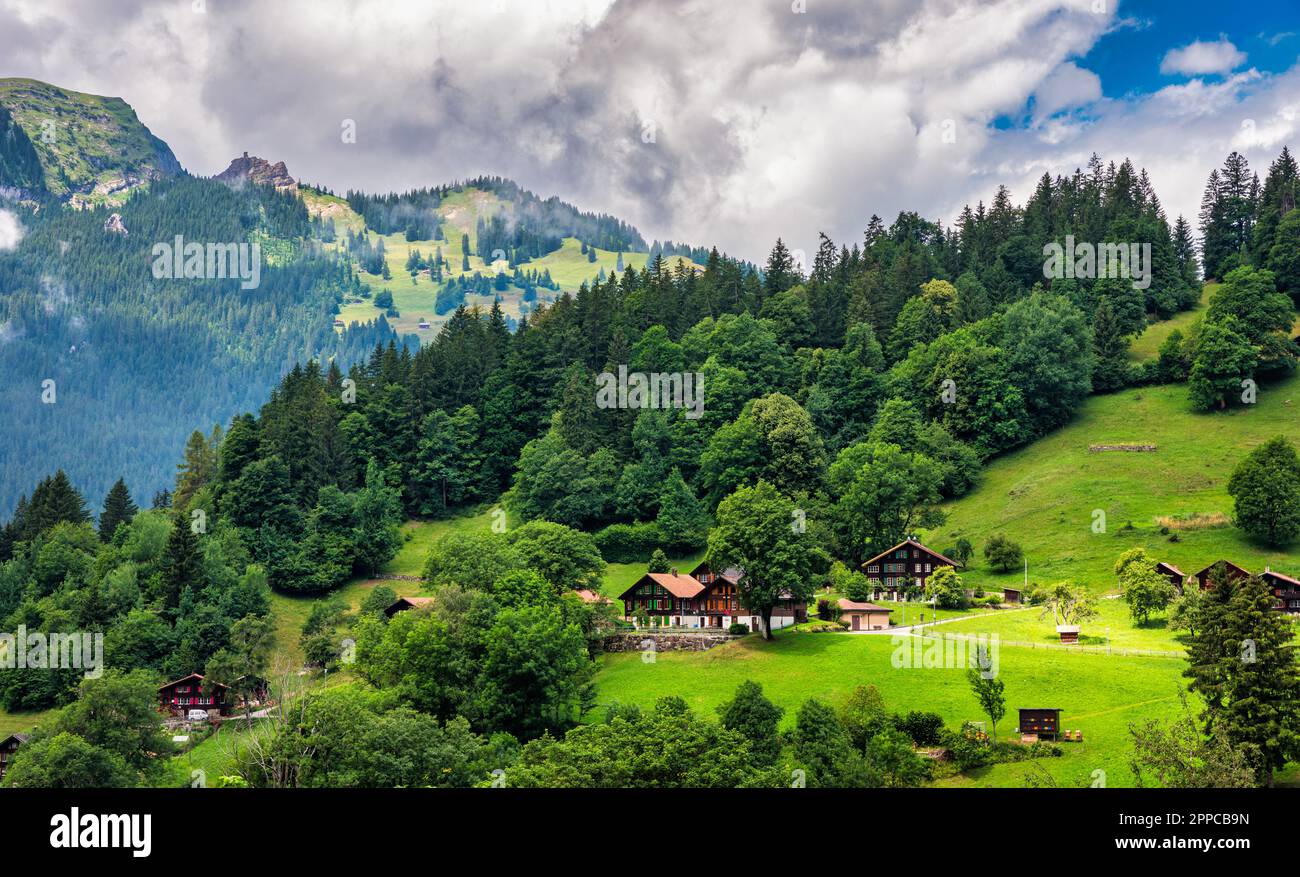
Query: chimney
674,572
245,155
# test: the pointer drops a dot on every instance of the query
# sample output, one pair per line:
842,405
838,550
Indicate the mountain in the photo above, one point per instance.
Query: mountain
135,361
90,149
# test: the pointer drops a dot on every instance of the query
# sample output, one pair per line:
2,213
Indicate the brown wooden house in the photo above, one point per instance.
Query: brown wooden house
1175,575
8,746
702,599
1234,572
1012,596
1286,590
188,693
907,564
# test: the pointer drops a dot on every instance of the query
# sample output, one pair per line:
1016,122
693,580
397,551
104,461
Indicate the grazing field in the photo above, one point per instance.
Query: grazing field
1147,345
1045,496
1099,694
1112,627
16,723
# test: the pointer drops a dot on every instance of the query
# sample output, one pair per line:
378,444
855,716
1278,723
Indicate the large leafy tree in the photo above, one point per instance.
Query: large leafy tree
1265,488
773,439
757,532
884,495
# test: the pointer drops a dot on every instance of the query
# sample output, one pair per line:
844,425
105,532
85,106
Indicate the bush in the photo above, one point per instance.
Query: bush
828,611
824,627
925,729
627,543
993,600
970,748
738,629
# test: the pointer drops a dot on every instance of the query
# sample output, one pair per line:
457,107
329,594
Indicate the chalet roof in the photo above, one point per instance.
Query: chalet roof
21,738
1227,563
914,544
198,676
404,603
1273,574
731,573
589,596
1169,566
1006,588
677,585
850,605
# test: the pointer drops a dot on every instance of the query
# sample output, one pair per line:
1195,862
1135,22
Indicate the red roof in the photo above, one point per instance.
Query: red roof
677,585
1227,563
589,596
914,544
850,606
1173,569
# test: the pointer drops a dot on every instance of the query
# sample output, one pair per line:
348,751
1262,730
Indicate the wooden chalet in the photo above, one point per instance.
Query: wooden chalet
1234,572
8,746
1042,722
1286,590
1175,575
907,564
864,616
401,604
187,693
702,599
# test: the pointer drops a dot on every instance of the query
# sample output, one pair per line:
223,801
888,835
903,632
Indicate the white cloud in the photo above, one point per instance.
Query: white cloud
767,122
11,230
1201,58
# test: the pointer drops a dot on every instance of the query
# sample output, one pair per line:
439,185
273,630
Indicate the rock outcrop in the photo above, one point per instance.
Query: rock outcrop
114,225
260,171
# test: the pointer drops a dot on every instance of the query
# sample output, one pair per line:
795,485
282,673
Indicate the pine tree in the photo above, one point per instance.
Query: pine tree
181,566
118,509
1110,369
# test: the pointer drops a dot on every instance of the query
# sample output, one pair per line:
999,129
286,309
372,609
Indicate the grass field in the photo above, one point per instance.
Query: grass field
1099,694
1112,627
1045,496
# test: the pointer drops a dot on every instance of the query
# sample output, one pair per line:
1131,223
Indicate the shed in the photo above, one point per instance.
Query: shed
864,616
1011,596
1043,722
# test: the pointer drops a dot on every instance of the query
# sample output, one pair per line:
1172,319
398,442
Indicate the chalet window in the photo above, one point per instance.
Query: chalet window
875,567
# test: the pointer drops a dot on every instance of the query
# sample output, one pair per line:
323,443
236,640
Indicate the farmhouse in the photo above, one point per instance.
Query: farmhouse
908,563
8,746
1285,589
182,695
1234,572
404,603
864,616
702,599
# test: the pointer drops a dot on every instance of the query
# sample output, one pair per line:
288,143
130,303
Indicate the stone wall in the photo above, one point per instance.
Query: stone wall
632,641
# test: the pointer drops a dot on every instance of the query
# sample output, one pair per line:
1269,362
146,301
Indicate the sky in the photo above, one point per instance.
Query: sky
727,122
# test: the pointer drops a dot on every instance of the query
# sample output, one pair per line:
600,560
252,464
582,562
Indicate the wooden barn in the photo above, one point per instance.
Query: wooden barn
908,563
1040,722
1175,575
401,604
8,746
1012,596
1234,572
187,693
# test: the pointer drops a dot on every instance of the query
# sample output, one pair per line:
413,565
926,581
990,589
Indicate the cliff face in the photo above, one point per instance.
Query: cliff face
82,148
260,171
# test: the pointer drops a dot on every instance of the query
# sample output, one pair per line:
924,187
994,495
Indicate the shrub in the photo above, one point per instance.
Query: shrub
627,543
738,629
925,728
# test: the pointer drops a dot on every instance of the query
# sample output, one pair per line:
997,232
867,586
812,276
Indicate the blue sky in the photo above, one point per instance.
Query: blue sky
1128,59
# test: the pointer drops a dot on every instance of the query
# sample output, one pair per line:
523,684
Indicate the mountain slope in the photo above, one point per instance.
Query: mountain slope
1045,496
91,149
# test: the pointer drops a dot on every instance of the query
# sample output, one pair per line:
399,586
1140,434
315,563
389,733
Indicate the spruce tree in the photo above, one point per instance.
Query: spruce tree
181,565
118,509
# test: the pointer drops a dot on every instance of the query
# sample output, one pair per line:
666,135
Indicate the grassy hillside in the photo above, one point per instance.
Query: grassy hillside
1044,496
460,212
92,149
